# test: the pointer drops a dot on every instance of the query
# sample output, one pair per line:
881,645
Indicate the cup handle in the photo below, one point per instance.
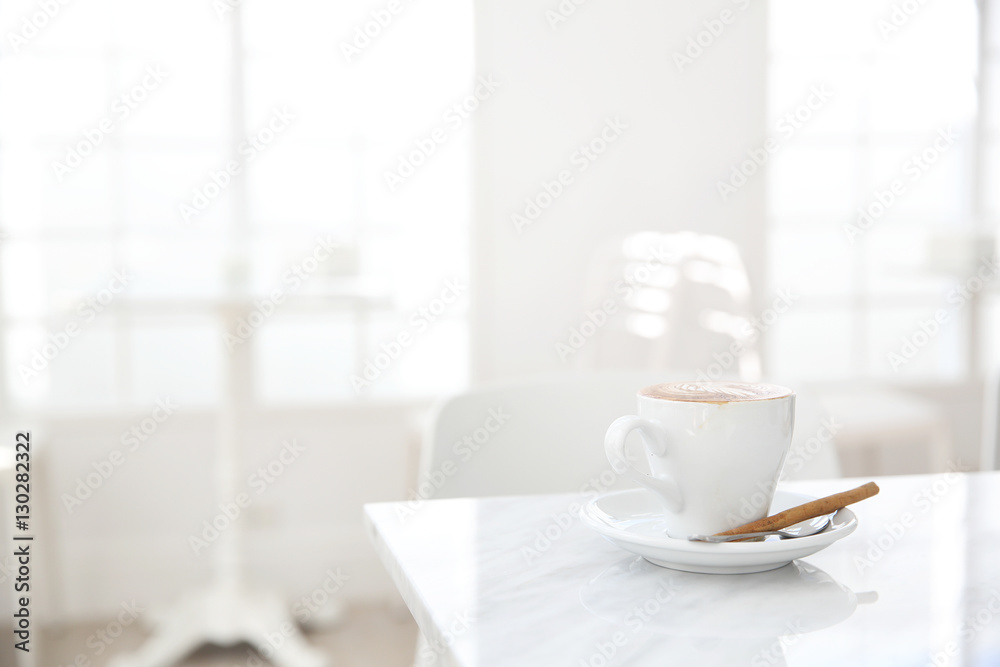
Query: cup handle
654,437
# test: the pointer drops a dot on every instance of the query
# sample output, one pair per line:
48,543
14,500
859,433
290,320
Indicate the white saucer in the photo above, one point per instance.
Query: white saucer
632,520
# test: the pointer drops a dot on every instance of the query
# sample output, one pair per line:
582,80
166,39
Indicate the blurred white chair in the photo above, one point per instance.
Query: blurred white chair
681,300
542,435
551,439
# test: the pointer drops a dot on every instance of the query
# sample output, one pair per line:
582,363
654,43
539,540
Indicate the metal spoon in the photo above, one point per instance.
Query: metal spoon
802,529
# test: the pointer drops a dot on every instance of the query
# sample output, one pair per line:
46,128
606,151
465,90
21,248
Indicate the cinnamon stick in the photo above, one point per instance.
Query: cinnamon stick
810,510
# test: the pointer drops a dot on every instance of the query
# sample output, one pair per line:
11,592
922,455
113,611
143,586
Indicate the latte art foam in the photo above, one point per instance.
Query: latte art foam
715,392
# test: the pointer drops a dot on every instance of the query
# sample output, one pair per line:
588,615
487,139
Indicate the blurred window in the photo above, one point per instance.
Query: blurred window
879,213
155,155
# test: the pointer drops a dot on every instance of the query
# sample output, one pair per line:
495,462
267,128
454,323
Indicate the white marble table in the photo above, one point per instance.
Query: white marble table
517,581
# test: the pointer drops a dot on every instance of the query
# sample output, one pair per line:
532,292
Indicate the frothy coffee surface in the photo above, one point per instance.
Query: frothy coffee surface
715,392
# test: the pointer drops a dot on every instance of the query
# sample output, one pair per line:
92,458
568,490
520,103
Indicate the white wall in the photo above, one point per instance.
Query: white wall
686,130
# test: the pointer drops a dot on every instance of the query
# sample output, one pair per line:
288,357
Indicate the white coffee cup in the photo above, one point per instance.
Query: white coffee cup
714,449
